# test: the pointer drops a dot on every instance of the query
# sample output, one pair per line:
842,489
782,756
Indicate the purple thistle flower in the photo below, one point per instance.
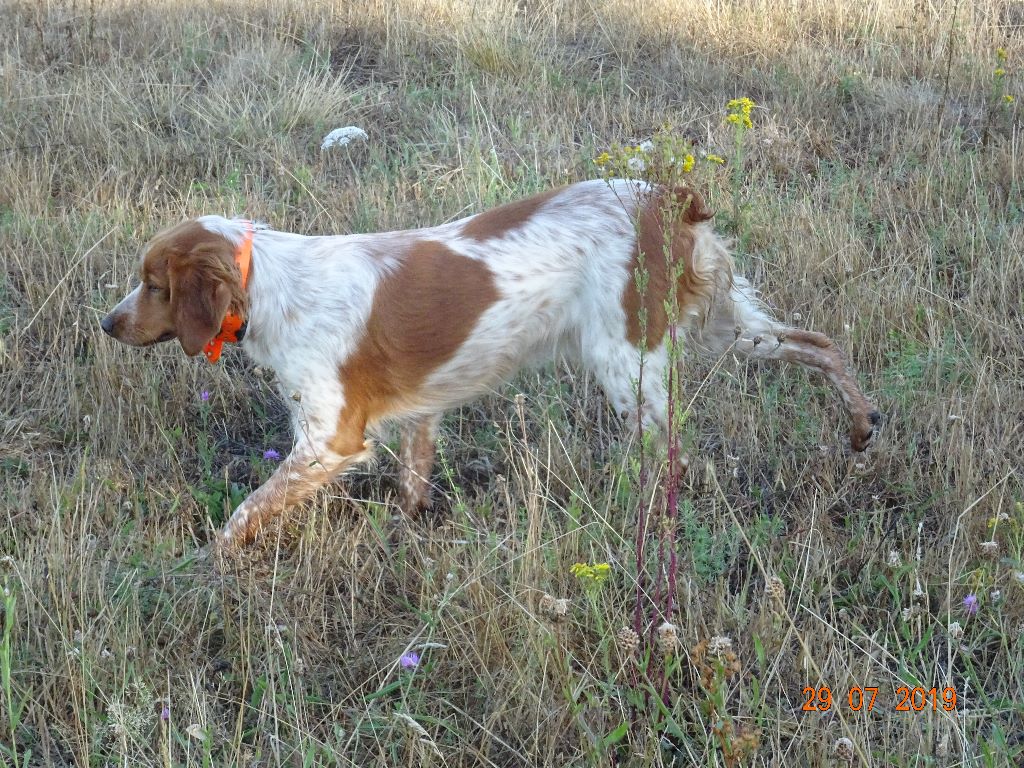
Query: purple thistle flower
204,395
165,713
410,660
971,604
271,455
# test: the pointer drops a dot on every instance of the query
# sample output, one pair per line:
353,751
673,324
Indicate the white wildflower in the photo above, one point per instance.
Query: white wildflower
636,164
720,644
341,137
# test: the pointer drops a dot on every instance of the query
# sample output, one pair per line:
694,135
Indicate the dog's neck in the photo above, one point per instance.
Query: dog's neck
281,288
305,293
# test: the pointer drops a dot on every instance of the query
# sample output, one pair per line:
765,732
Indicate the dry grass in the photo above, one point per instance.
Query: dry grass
881,200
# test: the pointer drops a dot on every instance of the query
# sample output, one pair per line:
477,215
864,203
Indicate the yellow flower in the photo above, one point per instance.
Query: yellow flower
718,159
595,573
739,112
687,164
999,72
743,105
603,159
1001,54
1008,98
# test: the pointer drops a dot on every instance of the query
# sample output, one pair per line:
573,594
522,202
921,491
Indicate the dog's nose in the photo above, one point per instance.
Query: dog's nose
107,324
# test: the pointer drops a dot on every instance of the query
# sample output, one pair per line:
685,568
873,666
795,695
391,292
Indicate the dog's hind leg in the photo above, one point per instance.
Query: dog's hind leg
419,446
740,324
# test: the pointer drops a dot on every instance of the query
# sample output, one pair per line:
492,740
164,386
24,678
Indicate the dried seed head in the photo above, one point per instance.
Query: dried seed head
990,549
555,608
895,560
627,641
774,589
843,750
546,604
942,748
668,638
956,631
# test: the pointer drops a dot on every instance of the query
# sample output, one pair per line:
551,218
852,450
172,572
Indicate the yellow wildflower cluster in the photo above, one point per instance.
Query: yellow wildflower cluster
716,159
595,573
999,76
659,159
739,112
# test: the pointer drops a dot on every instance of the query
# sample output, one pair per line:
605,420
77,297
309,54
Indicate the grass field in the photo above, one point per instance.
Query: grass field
876,197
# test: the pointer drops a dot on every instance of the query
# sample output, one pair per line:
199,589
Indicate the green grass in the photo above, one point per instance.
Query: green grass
876,198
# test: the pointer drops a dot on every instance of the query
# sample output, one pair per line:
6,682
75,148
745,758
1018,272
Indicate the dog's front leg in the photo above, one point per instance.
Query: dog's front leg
306,469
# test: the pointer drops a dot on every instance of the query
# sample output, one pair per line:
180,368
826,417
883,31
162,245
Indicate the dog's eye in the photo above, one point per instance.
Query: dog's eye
152,288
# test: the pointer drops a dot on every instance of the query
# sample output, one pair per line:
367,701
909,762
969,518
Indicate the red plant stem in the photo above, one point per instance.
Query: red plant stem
641,523
673,481
672,497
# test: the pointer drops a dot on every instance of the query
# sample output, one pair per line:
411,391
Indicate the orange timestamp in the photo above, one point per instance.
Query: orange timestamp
906,699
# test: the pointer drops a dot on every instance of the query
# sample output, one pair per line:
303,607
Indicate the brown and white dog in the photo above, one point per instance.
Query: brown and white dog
403,326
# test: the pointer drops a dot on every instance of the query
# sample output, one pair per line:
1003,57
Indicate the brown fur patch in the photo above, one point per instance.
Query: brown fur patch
499,221
422,313
664,244
203,281
192,244
189,280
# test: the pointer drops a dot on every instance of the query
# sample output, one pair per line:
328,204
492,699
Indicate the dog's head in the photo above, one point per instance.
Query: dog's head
189,281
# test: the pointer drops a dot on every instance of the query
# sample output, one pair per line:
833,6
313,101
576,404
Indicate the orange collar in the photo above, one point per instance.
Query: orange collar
233,327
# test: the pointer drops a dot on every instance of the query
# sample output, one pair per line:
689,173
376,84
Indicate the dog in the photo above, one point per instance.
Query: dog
402,326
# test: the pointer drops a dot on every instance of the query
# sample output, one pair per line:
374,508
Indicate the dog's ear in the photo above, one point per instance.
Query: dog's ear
200,286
